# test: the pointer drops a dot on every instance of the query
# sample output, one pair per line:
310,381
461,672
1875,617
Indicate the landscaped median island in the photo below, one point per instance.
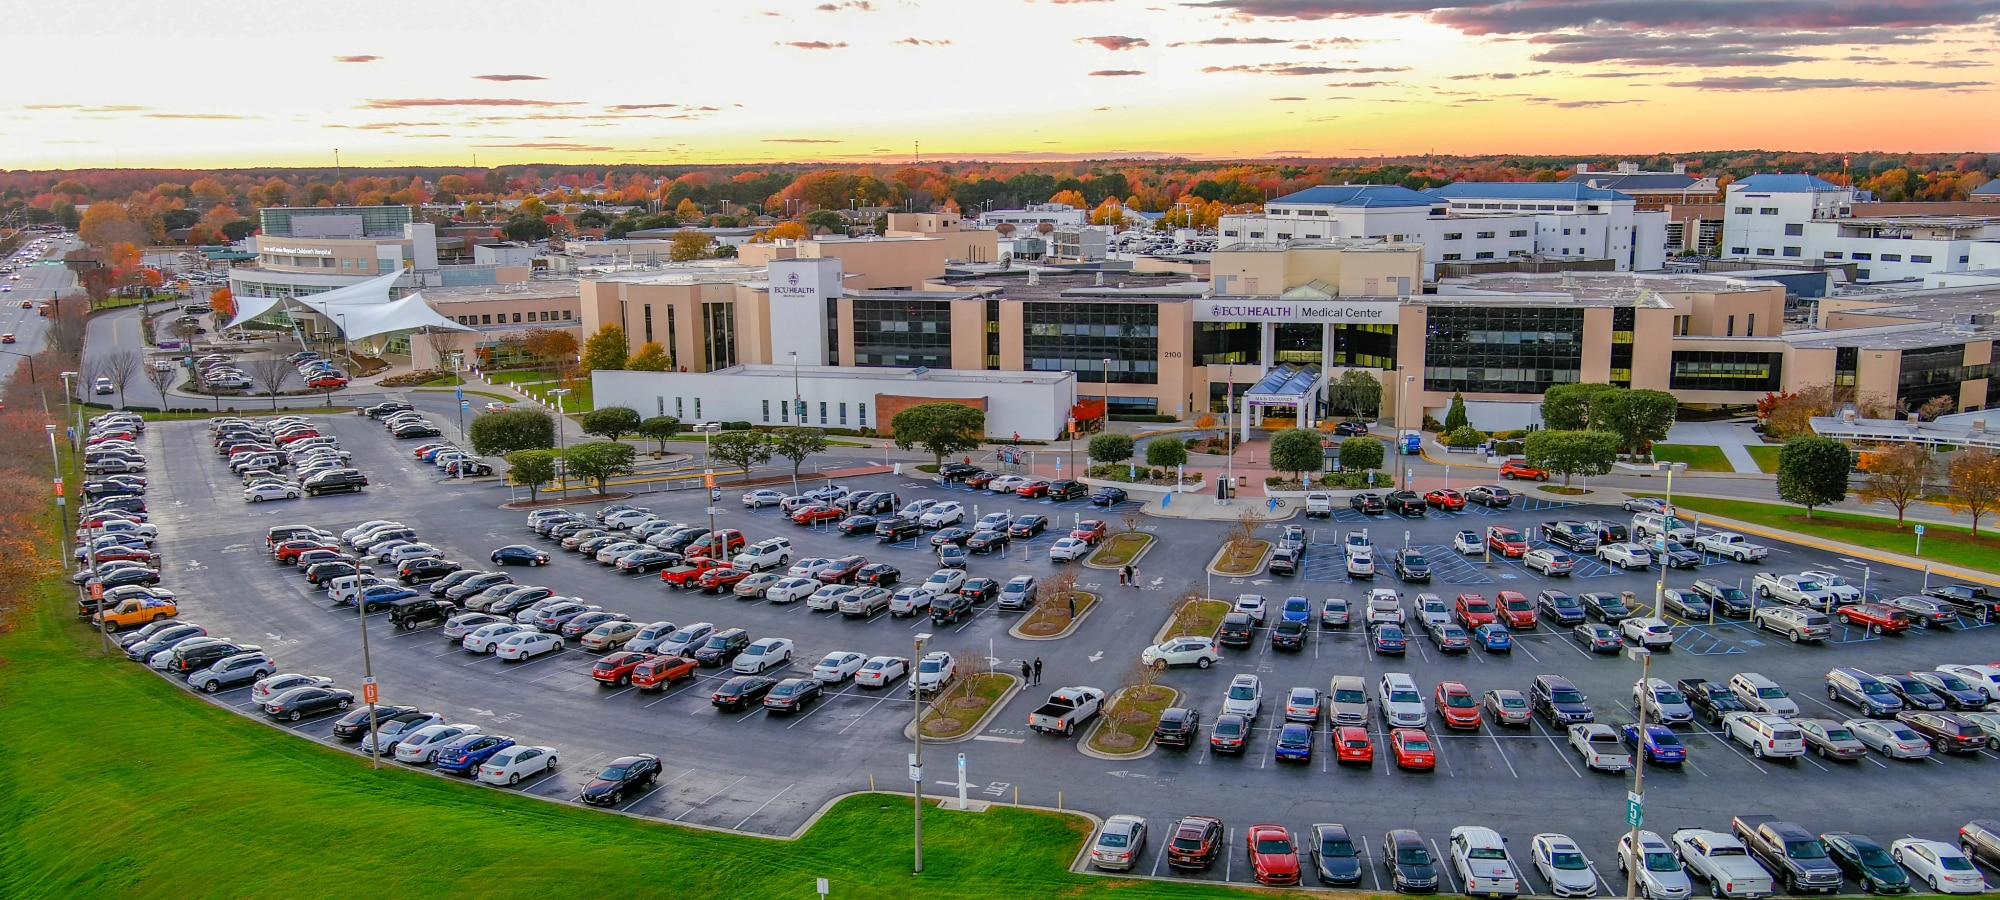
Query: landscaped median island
965,705
1120,549
1127,724
1698,457
1051,615
1199,616
1951,545
1240,557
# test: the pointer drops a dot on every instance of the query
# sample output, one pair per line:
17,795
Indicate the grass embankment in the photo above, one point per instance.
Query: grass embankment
1766,456
1948,544
1697,457
1128,724
1241,557
230,808
1199,617
503,398
1051,618
1121,549
964,704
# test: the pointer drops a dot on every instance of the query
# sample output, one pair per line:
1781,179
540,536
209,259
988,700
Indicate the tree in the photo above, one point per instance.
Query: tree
660,429
689,244
1639,418
796,444
532,468
502,433
605,349
1355,393
124,366
1166,452
742,449
271,373
525,228
611,422
553,347
163,378
1297,450
651,358
224,304
942,429
185,331
443,344
687,211
782,231
1361,453
1572,453
1897,476
1455,418
599,461
1567,407
1812,471
1111,448
1975,484
827,219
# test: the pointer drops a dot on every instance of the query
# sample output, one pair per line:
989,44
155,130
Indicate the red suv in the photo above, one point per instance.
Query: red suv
1456,705
1515,468
1518,610
1196,842
1475,610
616,669
1506,541
1273,858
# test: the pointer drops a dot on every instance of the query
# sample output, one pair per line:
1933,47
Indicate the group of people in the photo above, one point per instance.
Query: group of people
1128,574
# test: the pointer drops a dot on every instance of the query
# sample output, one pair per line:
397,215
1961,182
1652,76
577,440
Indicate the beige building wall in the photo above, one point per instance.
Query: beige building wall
1013,331
761,254
1877,372
753,325
1371,271
1596,345
968,334
1652,348
1808,367
1176,384
902,263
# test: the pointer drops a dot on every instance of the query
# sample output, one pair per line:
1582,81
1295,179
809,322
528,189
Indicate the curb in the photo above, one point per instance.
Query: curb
1150,541
1083,746
1256,570
909,731
1166,628
1906,562
1095,602
543,504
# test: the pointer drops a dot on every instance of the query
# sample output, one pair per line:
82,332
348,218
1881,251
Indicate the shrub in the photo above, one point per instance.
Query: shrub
1466,436
736,426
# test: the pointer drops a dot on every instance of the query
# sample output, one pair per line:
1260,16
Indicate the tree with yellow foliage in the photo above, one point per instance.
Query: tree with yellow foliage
782,231
1110,212
1070,198
686,211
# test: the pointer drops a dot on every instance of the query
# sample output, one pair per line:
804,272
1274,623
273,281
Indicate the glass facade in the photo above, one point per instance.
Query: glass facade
1845,361
993,332
1726,370
1079,337
718,322
1224,343
1623,321
1524,350
1372,346
902,333
1933,372
1299,343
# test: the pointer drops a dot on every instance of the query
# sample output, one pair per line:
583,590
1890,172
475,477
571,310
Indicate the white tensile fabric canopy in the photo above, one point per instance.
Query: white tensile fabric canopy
360,311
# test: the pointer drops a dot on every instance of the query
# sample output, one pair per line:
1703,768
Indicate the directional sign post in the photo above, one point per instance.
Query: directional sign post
369,693
1635,809
1920,540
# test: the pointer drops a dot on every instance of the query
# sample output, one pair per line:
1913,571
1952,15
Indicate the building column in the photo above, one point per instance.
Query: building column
1243,420
1326,347
1267,346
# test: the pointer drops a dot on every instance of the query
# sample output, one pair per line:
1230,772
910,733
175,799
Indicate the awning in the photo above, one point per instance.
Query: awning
360,311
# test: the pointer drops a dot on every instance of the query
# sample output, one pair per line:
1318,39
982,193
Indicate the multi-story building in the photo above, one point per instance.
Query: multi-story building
1651,190
1059,215
1808,220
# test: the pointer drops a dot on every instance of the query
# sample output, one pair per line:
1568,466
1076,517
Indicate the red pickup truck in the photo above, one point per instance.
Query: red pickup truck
689,572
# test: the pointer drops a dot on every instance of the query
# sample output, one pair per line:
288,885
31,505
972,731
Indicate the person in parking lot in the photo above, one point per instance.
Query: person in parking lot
1038,670
1024,672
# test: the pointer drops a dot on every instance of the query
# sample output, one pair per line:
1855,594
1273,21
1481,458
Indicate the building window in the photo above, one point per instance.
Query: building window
486,319
1793,251
718,336
822,412
1739,251
784,412
673,346
1506,351
1742,210
843,414
767,410
832,334
1518,232
1226,343
1768,211
1860,255
1454,235
1766,251
902,333
861,414
1915,258
1483,254
1622,319
1897,257
992,332
1717,370
1731,332
1832,254
517,318
697,408
1451,257
1485,235
1682,325
1795,228
1845,361
680,412
567,313
1932,372
1078,337
1750,326
649,322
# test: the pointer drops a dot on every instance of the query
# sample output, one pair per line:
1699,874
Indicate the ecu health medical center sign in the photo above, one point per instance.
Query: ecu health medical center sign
1337,312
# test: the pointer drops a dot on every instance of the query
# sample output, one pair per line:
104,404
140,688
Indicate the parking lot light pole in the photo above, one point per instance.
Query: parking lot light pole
563,475
62,503
367,680
917,759
1645,658
1660,587
1402,465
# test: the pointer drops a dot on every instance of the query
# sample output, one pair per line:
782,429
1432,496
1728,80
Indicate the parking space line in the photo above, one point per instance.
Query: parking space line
774,798
704,800
1503,754
642,797
1373,878
1228,854
1562,752
1443,866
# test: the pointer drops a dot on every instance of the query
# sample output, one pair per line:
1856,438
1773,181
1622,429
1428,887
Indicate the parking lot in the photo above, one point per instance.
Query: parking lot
760,773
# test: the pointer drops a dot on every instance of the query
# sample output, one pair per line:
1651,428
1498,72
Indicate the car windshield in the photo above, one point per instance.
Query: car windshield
1805,850
1770,693
1230,728
1811,586
1189,844
929,666
1513,703
1352,695
1661,861
718,643
1915,687
1566,695
1242,692
1564,601
1458,701
1274,845
1669,696
1561,859
1336,847
1113,839
1414,559
1413,856
1400,696
612,773
1952,684
1874,687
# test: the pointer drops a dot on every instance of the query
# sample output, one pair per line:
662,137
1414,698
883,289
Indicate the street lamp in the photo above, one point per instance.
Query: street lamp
1402,465
1636,801
75,396
917,759
562,476
708,471
62,503
1660,587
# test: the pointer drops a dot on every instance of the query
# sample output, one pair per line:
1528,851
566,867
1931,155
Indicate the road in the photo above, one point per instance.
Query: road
36,283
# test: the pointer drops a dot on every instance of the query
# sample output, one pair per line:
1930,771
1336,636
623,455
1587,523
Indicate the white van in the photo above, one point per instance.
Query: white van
1765,735
1647,524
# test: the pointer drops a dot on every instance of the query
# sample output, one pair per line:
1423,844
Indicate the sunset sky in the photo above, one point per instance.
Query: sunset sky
212,84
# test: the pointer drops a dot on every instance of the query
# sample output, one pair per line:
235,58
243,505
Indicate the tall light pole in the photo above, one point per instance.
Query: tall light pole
562,477
368,682
62,502
917,761
1402,393
1660,587
74,398
1635,803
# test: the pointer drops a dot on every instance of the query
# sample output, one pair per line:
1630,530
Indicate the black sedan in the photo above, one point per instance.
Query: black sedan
1109,496
1065,489
1604,607
415,430
1028,526
980,590
986,541
354,725
519,555
878,574
853,525
1335,858
1350,428
952,535
623,774
292,706
741,691
646,561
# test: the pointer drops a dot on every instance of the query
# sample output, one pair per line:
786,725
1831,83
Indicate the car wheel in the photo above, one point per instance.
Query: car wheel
1203,663
295,715
1874,629
212,686
1795,637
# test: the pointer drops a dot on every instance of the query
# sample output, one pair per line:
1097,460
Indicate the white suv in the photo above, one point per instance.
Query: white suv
765,554
1402,703
949,512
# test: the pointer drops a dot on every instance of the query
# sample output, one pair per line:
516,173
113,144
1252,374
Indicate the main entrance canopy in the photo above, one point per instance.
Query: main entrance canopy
360,311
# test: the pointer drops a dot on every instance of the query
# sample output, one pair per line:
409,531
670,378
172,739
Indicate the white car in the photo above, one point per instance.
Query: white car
389,735
881,671
266,688
1181,651
917,508
347,587
993,522
1245,696
909,601
520,761
762,654
1659,870
490,636
1468,543
1939,865
649,636
828,597
810,567
1479,855
838,666
949,512
1006,484
762,498
685,640
610,555
791,590
1069,549
1648,631
1252,604
626,518
281,490
400,554
1360,563
827,494
1402,704
1563,865
1625,555
1432,610
522,646
1986,678
1890,738
944,581
423,746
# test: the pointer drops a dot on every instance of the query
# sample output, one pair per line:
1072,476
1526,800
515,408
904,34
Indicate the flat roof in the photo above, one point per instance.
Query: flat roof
1961,221
1946,317
1903,431
533,289
919,373
692,272
1596,288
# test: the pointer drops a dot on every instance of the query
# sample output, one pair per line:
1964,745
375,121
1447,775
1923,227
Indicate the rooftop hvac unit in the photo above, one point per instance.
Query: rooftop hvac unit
1978,426
1848,416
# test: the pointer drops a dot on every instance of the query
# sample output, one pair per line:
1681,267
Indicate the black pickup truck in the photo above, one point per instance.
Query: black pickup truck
1794,855
1575,537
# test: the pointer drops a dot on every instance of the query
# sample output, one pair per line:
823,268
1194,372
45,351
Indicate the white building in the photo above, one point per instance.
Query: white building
1060,215
1572,220
1808,219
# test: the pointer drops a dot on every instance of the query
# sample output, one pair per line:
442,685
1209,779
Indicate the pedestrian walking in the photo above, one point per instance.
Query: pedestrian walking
1038,670
1121,575
1024,671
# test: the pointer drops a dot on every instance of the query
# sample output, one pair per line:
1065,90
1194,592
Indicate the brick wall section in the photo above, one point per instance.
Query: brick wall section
888,405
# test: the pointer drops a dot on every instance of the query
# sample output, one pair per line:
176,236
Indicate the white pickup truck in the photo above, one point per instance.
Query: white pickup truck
1067,708
1732,545
1319,505
1600,748
1722,861
1384,607
1797,590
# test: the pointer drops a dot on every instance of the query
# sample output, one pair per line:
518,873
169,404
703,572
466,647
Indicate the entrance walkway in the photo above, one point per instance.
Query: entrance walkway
1729,437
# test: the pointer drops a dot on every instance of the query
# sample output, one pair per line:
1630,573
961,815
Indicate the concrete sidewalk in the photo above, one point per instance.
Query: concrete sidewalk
1729,437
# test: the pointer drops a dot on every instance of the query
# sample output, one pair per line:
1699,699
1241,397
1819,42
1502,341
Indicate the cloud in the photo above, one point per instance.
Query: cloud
418,102
634,106
1781,83
801,141
510,78
813,45
1283,99
214,116
1926,63
1358,84
856,5
383,126
550,145
1618,74
1115,42
1115,73
115,107
356,59
1499,76
53,106
1295,10
1230,42
926,42
1302,69
1593,104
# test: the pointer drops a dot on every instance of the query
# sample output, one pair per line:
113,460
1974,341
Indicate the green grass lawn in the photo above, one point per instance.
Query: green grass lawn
1766,456
117,784
1698,458
1948,544
517,376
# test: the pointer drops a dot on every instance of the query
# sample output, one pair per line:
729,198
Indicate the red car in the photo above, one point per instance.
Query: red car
1475,610
289,551
1353,745
290,436
980,480
815,514
1445,498
1515,468
1197,841
843,570
324,382
1519,610
656,672
1273,858
1876,617
1456,705
1413,749
616,669
715,581
1036,488
689,572
1089,531
732,541
1506,541
125,554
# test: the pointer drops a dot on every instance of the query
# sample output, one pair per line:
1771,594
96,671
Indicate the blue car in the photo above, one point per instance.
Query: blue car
1388,639
1295,742
382,595
1662,744
1297,609
1494,637
464,756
